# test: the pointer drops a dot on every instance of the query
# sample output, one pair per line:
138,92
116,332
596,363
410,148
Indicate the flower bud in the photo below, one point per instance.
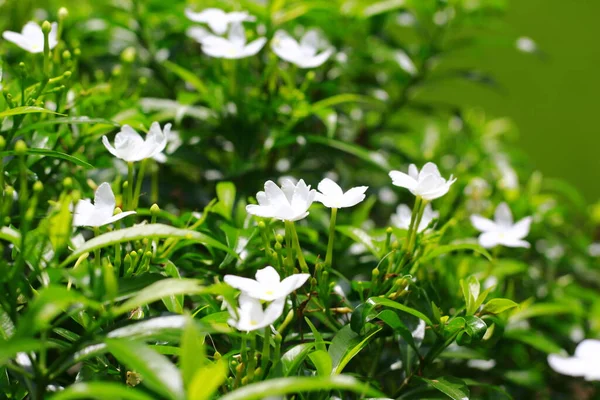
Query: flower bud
261,225
38,187
279,238
46,27
217,355
278,246
375,272
128,55
2,143
67,74
143,81
75,196
63,13
66,55
76,52
444,319
68,182
117,211
20,148
155,209
389,230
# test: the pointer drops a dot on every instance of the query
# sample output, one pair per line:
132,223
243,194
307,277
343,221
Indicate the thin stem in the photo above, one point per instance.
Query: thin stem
301,259
138,184
251,358
97,263
288,245
329,256
266,351
129,186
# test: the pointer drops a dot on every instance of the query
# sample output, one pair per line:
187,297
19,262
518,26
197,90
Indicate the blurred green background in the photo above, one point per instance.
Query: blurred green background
551,98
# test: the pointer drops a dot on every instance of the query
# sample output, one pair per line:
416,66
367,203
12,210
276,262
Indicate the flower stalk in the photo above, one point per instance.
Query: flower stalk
329,255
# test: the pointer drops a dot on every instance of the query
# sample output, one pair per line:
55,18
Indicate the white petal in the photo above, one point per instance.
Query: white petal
83,210
354,196
52,36
413,171
291,283
315,61
402,217
276,195
262,199
268,277
571,366
197,33
246,285
514,242
429,169
311,40
503,216
104,200
589,349
118,217
483,224
489,239
330,188
300,197
260,211
521,229
237,35
403,180
288,187
273,311
254,47
109,147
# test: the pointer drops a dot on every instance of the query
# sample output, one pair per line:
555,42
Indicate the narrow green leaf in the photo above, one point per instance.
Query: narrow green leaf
345,345
168,327
81,120
100,391
382,301
319,342
322,361
533,339
544,309
193,355
141,232
496,306
158,372
10,235
158,290
186,75
392,319
451,387
26,110
292,358
207,380
8,349
283,386
359,236
441,250
51,153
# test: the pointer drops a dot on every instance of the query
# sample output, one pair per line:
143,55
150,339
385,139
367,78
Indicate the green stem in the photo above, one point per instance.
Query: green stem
266,351
329,256
301,259
251,358
129,187
288,245
97,263
138,184
154,185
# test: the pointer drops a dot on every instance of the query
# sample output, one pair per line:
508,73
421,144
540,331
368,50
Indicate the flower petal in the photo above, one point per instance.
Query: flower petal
489,239
330,188
571,366
503,215
354,196
249,286
260,211
588,349
521,229
254,47
291,283
429,169
83,210
483,224
104,200
118,217
402,180
267,277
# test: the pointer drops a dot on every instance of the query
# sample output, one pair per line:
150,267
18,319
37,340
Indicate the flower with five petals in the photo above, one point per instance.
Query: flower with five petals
129,145
101,212
502,231
233,47
427,183
288,203
31,37
332,195
585,362
303,53
267,286
251,315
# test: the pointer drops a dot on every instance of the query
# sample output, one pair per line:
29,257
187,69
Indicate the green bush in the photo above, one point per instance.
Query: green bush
403,289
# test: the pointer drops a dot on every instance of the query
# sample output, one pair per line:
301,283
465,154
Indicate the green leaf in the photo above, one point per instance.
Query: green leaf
207,380
80,120
394,322
168,327
100,391
226,196
496,306
449,248
159,290
319,342
473,332
8,349
51,153
544,309
382,301
26,110
292,359
322,361
359,236
186,75
451,387
533,339
10,235
141,232
193,354
283,386
159,373
345,345
173,303
50,302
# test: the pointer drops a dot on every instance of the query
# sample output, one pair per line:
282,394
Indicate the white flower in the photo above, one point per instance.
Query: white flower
585,362
332,195
267,285
303,53
502,230
129,145
251,316
217,19
173,143
403,214
427,183
101,212
288,203
31,37
232,47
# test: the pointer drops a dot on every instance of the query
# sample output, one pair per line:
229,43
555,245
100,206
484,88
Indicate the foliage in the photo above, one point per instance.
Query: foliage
138,310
